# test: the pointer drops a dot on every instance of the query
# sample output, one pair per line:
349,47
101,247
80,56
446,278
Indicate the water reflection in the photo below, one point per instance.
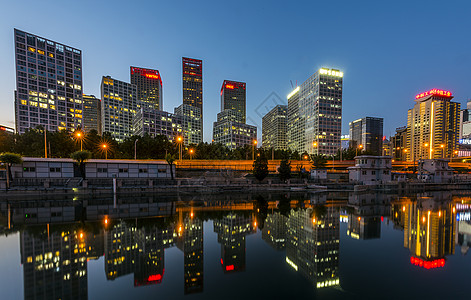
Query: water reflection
429,227
57,238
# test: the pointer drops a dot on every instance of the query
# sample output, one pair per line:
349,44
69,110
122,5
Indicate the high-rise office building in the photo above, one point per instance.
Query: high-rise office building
433,126
315,113
91,114
399,144
149,87
233,97
48,84
274,128
118,107
367,132
186,122
228,131
193,82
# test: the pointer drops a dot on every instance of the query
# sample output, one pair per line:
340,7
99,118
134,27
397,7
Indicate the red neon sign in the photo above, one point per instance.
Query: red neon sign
153,76
229,86
230,268
435,92
222,262
156,277
433,264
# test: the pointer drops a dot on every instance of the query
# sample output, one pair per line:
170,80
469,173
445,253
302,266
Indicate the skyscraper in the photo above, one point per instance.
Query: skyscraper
315,113
91,113
230,128
193,82
149,87
118,107
367,132
433,126
229,131
233,97
274,129
49,84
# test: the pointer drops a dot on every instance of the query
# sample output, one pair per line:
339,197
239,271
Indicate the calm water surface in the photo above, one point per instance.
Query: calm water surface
268,246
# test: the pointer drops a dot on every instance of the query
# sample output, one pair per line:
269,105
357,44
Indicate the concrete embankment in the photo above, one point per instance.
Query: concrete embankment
77,186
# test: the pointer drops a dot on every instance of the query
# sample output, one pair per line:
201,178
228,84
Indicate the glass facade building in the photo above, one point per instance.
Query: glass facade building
148,83
274,128
315,113
118,107
91,114
193,82
367,132
48,84
233,97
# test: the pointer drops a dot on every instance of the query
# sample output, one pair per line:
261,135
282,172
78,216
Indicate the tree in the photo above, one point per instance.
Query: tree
260,167
170,160
318,161
8,159
81,157
284,170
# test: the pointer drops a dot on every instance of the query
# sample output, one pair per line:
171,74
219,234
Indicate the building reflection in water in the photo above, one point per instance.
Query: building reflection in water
190,241
429,228
129,249
463,226
365,213
54,264
274,230
232,229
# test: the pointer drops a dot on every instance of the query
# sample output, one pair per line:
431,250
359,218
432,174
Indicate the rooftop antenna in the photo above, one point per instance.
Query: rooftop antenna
293,86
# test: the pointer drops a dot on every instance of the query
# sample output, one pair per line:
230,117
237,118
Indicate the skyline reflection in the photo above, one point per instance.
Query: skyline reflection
55,255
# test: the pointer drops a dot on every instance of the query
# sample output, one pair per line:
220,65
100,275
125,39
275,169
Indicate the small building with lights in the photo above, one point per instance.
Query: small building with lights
370,170
33,167
434,171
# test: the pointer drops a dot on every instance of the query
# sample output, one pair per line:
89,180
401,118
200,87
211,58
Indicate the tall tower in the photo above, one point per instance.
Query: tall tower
315,113
118,107
48,84
233,96
433,126
91,113
193,82
367,132
149,87
274,128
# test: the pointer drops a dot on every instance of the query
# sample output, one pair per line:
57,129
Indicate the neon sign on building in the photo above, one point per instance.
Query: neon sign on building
432,264
434,92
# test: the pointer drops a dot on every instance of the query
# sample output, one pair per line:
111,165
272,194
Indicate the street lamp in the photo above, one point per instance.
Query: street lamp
314,145
359,147
191,151
425,146
135,149
254,144
443,150
180,142
105,148
79,136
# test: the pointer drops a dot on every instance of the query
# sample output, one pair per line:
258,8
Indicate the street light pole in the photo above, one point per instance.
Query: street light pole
253,149
135,149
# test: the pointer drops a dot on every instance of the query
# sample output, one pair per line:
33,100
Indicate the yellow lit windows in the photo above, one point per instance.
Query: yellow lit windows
41,52
52,107
32,103
50,55
42,105
24,102
31,49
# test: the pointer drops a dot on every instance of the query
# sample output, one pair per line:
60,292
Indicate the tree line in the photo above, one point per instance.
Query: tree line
61,144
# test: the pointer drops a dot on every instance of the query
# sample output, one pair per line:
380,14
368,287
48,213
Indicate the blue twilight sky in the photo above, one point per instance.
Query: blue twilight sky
388,50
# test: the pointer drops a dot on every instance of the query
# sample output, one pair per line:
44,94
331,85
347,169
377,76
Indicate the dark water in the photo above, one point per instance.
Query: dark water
290,246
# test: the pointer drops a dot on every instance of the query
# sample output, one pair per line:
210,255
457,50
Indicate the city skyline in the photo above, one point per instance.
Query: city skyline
404,71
